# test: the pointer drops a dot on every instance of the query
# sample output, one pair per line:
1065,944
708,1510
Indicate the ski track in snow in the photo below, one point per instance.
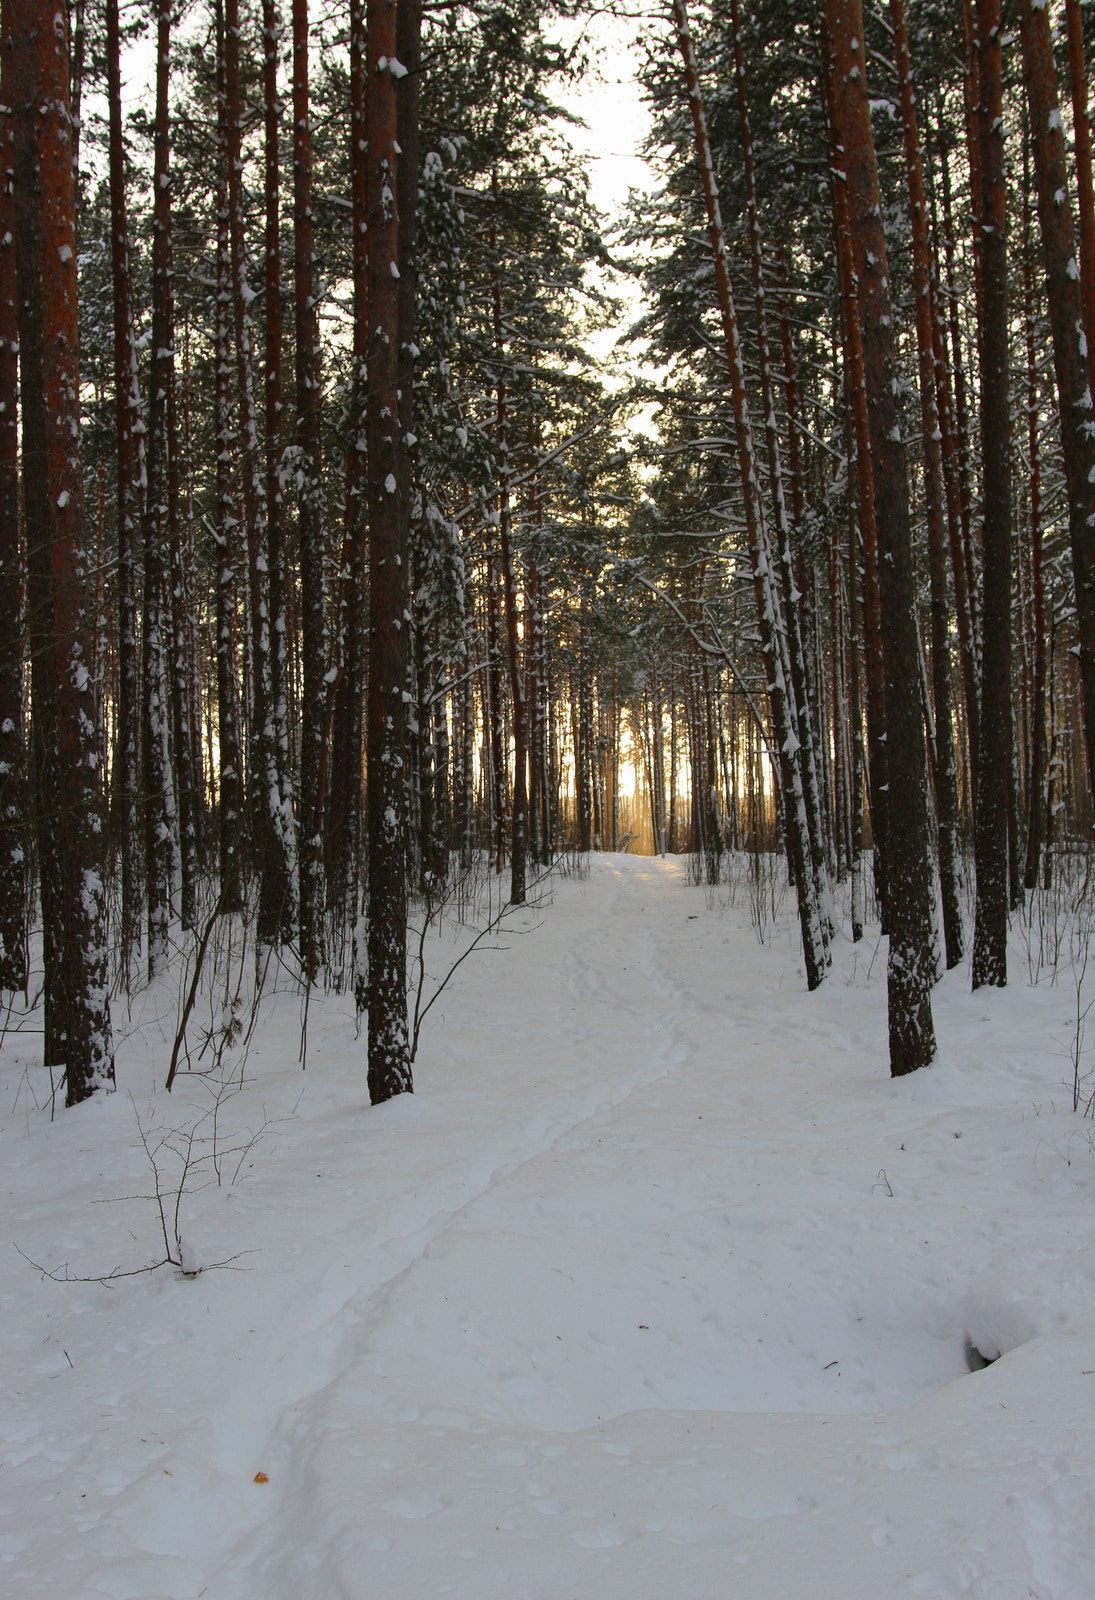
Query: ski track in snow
658,1285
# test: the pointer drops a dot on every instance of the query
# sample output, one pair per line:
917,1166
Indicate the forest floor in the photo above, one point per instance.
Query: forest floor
657,1287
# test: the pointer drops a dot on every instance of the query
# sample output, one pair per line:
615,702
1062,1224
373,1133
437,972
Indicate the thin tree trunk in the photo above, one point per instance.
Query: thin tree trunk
911,964
994,750
495,741
793,627
158,796
344,823
1070,349
963,562
226,538
130,474
313,707
1085,188
1036,780
946,790
877,751
519,818
180,679
389,1061
14,834
263,799
278,906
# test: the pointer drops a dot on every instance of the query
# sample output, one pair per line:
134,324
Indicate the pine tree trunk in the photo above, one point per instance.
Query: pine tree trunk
946,791
389,1062
226,538
910,970
494,716
71,838
877,751
1085,188
519,817
806,755
1037,772
313,707
130,475
278,906
344,823
1070,348
158,786
14,834
264,798
963,564
534,697
994,748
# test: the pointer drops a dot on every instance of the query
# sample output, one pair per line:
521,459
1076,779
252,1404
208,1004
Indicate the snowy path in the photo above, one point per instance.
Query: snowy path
657,1286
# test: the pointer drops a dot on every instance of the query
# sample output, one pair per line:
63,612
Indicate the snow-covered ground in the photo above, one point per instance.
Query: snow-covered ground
658,1286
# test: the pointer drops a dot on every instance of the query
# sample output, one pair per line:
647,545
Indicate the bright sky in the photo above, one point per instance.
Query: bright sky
610,102
617,120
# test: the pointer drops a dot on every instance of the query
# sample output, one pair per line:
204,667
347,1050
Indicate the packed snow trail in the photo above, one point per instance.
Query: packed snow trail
657,1285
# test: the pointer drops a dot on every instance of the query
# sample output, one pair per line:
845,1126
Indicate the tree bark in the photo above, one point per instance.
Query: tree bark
1037,769
791,594
130,485
994,750
519,815
158,787
14,834
1085,188
911,964
875,672
946,789
313,709
226,538
344,824
71,840
389,1059
278,905
1070,349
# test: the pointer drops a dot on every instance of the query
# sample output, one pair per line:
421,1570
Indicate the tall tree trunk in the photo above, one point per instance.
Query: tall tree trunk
1036,778
158,787
1070,348
313,708
344,822
1085,188
877,750
519,818
264,798
389,1059
14,834
946,788
71,840
226,536
180,677
791,594
130,474
496,757
911,965
278,906
963,562
994,752
952,451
